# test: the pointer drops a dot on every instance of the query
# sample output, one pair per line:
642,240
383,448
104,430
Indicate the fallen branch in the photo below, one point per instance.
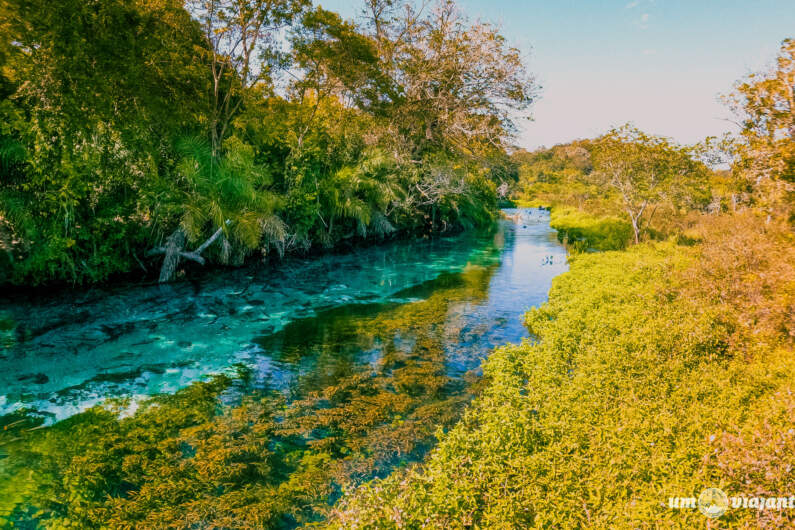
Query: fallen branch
173,251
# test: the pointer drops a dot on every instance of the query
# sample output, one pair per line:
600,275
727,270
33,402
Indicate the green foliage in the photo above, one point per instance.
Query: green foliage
581,231
560,175
90,98
125,122
637,389
358,195
228,192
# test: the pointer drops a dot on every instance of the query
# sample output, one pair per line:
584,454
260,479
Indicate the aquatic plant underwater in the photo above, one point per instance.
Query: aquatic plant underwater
364,387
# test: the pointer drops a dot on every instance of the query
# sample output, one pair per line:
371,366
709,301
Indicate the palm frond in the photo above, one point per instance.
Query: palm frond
381,225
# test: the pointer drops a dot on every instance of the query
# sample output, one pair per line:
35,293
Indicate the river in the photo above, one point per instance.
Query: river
353,361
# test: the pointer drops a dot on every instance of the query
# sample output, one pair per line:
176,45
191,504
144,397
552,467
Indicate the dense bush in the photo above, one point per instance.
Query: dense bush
642,386
581,231
133,130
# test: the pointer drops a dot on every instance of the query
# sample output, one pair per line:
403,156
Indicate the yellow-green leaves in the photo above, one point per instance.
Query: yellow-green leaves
638,389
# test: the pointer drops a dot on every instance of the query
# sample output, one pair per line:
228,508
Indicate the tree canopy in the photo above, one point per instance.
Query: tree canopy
127,126
764,102
645,171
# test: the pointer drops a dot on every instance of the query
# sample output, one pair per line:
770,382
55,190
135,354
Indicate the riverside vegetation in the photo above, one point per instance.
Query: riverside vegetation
662,364
659,368
146,135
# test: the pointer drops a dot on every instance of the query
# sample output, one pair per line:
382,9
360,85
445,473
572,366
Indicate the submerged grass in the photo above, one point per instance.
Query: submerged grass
646,383
228,453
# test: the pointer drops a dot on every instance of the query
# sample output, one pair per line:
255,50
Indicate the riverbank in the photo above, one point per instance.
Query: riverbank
326,374
145,273
659,371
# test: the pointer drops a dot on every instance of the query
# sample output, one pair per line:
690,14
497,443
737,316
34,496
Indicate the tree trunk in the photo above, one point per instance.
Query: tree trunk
174,245
174,250
635,229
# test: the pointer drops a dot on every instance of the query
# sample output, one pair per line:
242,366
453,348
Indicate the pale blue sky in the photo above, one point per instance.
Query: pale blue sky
658,63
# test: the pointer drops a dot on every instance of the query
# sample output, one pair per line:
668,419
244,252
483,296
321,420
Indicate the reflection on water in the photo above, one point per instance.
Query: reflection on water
336,370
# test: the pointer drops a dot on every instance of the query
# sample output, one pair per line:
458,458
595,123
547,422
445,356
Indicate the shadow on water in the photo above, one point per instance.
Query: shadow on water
326,401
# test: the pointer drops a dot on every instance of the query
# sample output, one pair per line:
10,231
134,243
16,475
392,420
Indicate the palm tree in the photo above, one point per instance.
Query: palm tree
225,196
360,195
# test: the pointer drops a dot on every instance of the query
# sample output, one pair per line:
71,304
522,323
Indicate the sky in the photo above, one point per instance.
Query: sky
659,64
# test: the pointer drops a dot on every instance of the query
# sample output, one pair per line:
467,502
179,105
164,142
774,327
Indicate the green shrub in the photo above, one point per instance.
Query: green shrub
633,393
581,231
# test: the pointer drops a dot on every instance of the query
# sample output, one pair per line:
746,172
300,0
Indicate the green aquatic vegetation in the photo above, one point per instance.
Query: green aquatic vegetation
636,391
230,453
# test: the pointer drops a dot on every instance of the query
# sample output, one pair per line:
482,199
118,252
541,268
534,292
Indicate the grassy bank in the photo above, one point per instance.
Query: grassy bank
659,371
581,231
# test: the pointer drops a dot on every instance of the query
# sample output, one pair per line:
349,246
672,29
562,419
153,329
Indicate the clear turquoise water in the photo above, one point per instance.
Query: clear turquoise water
63,354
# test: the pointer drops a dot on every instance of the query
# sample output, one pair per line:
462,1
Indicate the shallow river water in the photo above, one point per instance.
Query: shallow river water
389,337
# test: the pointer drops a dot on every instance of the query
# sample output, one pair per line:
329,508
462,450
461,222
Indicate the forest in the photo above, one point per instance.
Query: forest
141,137
148,140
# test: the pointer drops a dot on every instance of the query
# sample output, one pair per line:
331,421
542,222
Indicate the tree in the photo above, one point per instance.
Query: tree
645,171
765,104
334,60
244,52
458,85
397,122
229,194
92,93
444,104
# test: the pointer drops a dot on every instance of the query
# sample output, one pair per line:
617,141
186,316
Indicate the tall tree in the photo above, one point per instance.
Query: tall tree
645,171
95,91
459,85
243,52
765,104
244,39
334,60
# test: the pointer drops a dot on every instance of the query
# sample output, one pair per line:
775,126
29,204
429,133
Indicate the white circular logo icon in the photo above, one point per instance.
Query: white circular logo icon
713,502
